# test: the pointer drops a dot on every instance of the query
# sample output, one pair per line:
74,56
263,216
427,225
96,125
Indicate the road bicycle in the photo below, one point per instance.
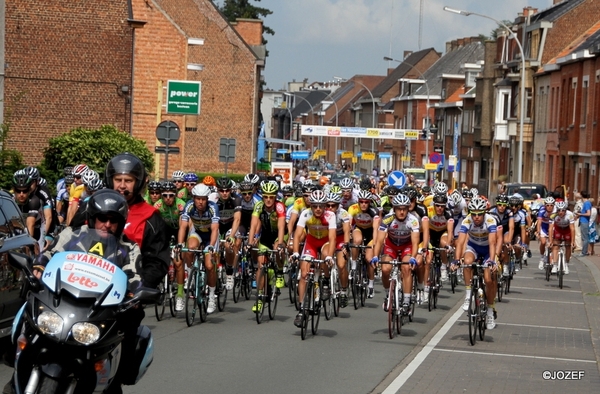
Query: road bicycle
196,295
395,312
434,281
242,279
358,276
477,312
168,290
311,306
269,293
561,263
335,289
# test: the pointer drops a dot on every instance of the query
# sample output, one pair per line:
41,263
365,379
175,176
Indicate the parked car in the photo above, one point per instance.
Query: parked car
13,237
527,190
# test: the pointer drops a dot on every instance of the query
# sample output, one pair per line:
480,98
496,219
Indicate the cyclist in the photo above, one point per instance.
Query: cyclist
441,223
300,204
154,192
288,196
50,217
177,177
268,231
30,206
343,220
76,191
92,185
543,226
477,240
423,260
398,240
230,215
348,195
189,181
170,208
199,225
319,227
212,184
505,218
62,199
520,234
365,230
562,228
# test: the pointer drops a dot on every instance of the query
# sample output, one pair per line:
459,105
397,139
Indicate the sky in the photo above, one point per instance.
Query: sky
320,39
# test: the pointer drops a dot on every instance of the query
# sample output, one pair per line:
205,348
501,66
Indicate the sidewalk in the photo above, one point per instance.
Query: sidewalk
546,340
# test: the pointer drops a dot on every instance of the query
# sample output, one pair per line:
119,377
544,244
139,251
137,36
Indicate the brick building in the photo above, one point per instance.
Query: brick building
84,64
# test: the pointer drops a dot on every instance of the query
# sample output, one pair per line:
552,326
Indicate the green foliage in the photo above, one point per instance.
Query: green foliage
92,147
10,160
233,9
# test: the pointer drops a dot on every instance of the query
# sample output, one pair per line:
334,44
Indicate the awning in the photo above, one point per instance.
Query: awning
284,142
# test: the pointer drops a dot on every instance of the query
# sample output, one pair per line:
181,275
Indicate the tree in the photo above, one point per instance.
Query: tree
10,160
233,9
92,147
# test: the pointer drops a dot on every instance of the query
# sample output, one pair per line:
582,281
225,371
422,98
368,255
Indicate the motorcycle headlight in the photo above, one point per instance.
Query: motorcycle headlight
50,323
86,333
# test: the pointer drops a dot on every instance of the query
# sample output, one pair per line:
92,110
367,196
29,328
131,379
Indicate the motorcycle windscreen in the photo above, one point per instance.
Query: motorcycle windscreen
86,275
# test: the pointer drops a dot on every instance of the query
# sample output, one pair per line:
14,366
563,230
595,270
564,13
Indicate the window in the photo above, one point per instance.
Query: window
574,96
584,100
277,100
528,103
505,106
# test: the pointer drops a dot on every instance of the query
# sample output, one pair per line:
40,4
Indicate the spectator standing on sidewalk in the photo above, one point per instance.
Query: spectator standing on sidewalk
576,209
584,223
592,227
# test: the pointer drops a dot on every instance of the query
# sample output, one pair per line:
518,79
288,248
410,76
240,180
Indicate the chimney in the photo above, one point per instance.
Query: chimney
529,11
250,30
448,46
406,54
460,42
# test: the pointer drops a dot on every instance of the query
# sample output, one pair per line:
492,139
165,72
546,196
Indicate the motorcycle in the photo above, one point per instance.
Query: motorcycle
66,334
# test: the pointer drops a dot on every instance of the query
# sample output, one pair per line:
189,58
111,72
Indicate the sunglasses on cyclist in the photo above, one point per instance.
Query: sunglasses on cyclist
21,191
440,205
105,218
364,201
168,195
501,204
224,190
246,193
332,205
153,192
268,197
317,206
190,183
477,213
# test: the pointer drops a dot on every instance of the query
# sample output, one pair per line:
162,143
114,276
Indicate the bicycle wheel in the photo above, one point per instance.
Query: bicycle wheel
237,288
190,298
507,284
560,271
221,291
364,287
159,307
172,296
355,285
306,312
438,286
246,285
453,280
473,315
273,301
327,309
482,318
392,309
431,282
261,296
292,285
413,299
316,315
500,287
203,294
296,297
336,291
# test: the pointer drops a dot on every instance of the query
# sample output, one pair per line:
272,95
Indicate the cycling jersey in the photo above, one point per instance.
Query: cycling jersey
317,227
201,221
76,192
563,222
227,208
360,219
503,219
298,206
247,208
269,221
341,216
478,235
544,217
399,231
170,214
183,194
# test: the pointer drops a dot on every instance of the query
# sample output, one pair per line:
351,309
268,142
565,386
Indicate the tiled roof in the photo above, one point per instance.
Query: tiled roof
455,96
556,11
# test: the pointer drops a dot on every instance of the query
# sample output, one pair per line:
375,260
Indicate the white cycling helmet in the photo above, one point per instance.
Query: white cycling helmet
201,190
346,183
549,201
89,176
401,200
440,188
317,197
178,176
365,195
560,205
477,204
334,198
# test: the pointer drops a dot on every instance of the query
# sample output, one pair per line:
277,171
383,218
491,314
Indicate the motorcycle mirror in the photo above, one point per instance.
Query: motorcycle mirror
22,262
129,273
146,295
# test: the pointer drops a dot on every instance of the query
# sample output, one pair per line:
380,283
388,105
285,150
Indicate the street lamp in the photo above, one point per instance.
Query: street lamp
336,119
312,110
373,120
522,88
412,66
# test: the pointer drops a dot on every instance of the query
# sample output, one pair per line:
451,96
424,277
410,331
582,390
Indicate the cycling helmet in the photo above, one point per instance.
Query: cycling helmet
80,169
224,183
477,204
561,205
168,187
209,181
549,201
411,193
334,198
401,200
68,170
366,184
69,179
308,188
252,178
440,198
107,202
246,186
154,185
456,197
190,177
200,190
269,188
335,189
364,195
392,191
376,200
178,175
317,197
42,182
22,180
426,190
474,192
346,183
33,173
89,176
513,200
502,199
298,192
287,190
466,193
420,198
125,163
440,188
95,185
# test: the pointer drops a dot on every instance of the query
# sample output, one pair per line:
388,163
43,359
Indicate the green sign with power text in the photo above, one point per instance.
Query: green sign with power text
183,97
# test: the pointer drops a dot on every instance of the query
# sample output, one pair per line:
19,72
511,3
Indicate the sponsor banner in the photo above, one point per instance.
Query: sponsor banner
368,156
347,155
358,132
284,169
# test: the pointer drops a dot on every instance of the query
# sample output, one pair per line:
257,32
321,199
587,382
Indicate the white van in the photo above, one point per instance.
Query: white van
419,173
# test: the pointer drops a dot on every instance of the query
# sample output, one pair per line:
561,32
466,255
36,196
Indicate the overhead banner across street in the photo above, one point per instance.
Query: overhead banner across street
359,132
